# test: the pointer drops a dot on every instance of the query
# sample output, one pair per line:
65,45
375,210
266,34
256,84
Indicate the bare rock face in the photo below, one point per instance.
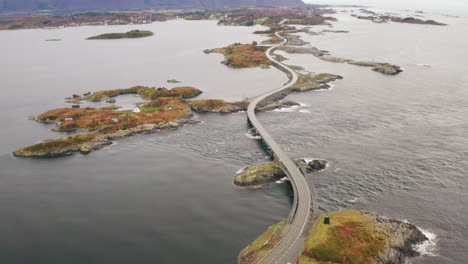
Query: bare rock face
387,69
259,174
402,237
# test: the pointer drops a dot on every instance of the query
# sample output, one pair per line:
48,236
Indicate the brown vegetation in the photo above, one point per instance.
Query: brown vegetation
244,55
148,93
105,123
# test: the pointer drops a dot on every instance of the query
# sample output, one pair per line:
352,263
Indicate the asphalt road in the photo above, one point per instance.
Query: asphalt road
290,246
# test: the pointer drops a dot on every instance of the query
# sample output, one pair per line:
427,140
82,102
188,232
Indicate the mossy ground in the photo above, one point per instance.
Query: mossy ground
148,93
352,237
208,104
262,245
312,81
105,121
244,55
159,110
262,173
274,39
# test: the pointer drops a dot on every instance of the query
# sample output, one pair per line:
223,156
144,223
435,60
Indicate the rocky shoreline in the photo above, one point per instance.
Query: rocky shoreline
384,68
269,172
99,141
351,237
167,110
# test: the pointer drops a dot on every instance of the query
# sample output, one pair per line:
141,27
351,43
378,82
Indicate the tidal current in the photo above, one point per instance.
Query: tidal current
397,145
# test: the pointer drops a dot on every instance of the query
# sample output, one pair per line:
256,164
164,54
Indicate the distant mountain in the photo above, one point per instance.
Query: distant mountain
67,5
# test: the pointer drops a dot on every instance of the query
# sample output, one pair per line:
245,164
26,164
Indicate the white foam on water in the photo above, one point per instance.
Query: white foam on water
287,109
252,136
427,248
295,108
241,170
282,180
424,65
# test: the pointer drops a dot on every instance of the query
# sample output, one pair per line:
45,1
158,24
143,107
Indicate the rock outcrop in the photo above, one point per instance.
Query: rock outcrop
360,237
351,237
385,68
270,172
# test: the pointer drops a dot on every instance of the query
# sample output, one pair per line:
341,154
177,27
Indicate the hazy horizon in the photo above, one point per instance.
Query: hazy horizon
442,6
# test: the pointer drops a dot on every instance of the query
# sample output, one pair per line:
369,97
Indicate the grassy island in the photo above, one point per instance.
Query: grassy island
352,237
164,110
130,34
105,124
244,56
147,93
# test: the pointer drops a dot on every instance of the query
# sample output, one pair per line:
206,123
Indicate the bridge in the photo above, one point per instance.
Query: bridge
294,233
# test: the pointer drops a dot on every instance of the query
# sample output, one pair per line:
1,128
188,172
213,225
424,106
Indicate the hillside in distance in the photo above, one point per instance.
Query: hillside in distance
68,5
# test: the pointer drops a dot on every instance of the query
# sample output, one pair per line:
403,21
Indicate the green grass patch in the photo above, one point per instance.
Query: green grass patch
262,245
350,238
150,109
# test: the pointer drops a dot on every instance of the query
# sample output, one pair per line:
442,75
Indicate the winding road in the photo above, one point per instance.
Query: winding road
290,246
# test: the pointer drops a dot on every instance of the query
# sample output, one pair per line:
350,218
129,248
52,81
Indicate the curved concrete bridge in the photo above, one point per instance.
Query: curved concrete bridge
290,246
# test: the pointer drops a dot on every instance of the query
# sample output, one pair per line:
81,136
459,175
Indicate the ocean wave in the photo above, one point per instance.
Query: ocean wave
241,170
251,135
282,180
295,108
424,65
352,200
287,109
428,247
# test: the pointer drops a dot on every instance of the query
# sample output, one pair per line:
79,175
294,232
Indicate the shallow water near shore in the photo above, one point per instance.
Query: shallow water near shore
396,145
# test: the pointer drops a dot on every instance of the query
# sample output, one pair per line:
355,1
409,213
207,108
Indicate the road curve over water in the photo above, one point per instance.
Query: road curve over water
290,246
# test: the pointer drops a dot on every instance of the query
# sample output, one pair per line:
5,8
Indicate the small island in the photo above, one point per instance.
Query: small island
162,110
130,34
385,18
243,55
349,237
380,67
269,172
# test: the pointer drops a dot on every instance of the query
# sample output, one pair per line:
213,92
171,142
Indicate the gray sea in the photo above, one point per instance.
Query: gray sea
397,145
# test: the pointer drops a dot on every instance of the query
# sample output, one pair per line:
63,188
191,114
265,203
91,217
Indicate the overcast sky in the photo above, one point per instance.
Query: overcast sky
454,6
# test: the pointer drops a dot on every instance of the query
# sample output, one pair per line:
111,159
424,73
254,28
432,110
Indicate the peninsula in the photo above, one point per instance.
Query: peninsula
306,236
